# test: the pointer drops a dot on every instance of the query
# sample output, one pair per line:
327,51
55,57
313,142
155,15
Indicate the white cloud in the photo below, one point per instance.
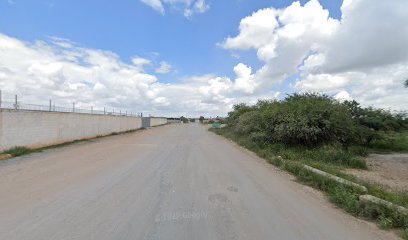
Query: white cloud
157,5
245,80
216,89
343,96
371,35
140,62
66,73
199,6
189,7
365,53
164,68
255,31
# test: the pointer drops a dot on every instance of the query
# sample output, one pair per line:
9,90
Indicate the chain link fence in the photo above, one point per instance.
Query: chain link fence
18,105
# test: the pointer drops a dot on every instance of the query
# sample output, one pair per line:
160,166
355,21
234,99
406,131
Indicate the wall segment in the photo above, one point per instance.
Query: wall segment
41,128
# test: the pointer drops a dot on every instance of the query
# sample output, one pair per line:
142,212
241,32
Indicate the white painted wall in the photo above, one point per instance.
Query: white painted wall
157,121
37,129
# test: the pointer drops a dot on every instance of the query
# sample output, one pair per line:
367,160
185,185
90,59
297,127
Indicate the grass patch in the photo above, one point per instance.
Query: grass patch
405,234
331,159
391,142
18,151
400,198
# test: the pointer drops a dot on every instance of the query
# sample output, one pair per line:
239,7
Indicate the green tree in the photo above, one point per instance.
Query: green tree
184,119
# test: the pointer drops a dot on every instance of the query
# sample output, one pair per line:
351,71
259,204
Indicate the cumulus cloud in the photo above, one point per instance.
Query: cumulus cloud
244,81
362,53
343,96
58,69
41,70
189,7
255,31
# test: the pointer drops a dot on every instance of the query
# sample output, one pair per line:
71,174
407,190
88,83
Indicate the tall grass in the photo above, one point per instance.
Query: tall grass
391,142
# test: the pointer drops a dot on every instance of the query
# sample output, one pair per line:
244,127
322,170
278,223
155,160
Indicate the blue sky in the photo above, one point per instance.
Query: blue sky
206,49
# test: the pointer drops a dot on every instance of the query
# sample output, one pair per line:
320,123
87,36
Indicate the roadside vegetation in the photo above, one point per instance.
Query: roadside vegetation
18,151
329,135
184,119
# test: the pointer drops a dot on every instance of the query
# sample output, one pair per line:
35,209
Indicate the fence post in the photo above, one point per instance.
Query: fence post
120,112
104,110
16,102
50,105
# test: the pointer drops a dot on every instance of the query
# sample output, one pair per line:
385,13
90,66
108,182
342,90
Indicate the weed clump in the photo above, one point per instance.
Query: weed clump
18,151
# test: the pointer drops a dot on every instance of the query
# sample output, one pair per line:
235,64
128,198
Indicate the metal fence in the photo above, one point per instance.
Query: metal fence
18,105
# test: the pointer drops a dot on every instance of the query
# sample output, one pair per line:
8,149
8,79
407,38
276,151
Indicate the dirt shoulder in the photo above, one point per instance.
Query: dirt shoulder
388,170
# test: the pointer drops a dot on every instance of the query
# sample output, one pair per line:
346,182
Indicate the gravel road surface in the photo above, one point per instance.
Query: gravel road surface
171,182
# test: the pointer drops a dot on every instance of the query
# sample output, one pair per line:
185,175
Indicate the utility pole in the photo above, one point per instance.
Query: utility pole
16,102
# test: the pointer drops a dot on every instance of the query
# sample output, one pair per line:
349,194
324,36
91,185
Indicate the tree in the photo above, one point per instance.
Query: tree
184,119
406,83
201,119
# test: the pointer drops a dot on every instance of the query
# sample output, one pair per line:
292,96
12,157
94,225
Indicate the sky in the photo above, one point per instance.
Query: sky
200,57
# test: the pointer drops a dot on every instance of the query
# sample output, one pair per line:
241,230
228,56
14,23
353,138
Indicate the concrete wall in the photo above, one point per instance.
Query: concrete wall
157,121
36,128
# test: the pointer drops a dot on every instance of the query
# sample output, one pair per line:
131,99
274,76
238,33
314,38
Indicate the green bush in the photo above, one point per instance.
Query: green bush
311,119
377,119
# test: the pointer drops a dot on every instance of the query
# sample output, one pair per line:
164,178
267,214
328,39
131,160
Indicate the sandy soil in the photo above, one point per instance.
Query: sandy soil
388,170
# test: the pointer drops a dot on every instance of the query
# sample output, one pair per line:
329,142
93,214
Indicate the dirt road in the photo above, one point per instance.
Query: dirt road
172,182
